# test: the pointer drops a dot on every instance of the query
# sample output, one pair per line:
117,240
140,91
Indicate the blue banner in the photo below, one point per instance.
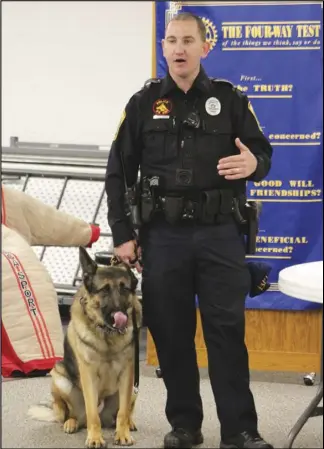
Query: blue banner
272,51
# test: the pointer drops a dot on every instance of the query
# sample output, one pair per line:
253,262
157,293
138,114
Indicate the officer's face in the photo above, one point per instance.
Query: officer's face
183,47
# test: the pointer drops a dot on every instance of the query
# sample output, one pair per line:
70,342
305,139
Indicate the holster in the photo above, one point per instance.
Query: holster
148,198
253,226
147,207
247,217
132,205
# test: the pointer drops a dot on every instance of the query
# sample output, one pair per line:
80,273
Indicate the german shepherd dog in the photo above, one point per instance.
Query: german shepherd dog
93,385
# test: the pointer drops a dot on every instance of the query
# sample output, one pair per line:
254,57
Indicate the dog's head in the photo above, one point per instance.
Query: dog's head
110,292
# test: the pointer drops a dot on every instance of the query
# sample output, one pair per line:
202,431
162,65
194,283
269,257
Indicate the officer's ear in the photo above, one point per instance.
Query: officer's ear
205,50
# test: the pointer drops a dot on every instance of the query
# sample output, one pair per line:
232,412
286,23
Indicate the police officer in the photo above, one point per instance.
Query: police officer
196,141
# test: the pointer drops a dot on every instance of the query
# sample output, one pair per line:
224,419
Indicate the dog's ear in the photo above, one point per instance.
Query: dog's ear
88,266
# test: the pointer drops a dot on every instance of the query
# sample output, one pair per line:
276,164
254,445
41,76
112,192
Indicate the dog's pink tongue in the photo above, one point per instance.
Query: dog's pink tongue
120,320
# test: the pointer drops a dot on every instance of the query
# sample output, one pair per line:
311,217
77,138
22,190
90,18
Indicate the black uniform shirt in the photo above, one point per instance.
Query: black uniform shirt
153,137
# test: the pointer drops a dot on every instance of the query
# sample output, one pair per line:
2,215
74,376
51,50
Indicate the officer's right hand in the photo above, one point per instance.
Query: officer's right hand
128,253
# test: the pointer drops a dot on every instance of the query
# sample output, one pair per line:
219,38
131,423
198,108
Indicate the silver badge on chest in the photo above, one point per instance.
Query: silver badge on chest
213,106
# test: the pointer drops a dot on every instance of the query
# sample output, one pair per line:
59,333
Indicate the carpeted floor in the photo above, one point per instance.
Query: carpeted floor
279,405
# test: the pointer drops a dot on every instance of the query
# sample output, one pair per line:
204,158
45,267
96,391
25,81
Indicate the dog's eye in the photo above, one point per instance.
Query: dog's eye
106,289
123,287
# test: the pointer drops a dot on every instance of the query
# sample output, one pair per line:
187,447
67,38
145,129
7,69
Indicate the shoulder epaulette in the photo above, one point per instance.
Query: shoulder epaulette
222,80
235,89
152,81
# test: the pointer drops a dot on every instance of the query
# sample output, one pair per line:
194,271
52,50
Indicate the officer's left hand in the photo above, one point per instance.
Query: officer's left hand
240,166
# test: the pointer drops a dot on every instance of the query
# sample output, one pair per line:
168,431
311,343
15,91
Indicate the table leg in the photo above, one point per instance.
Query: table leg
311,411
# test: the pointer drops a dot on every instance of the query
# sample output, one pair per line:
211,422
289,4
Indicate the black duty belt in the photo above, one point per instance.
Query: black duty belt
203,209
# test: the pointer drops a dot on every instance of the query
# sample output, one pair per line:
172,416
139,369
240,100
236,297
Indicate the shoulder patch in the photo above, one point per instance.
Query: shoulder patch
152,81
251,109
122,118
222,80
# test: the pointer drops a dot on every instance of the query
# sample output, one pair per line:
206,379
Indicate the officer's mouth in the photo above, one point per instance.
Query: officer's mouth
180,61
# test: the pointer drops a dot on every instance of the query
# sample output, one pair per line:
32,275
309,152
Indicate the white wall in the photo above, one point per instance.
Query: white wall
68,68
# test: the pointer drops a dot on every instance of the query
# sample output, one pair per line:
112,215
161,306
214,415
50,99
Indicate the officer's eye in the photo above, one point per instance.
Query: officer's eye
188,40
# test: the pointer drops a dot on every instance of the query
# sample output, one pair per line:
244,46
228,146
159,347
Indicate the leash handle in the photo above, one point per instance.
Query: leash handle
136,258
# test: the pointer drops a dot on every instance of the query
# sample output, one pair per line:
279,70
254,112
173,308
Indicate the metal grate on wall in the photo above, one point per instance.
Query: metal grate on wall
70,178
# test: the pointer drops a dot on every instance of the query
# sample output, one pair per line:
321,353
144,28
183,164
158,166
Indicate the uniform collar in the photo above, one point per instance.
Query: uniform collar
202,82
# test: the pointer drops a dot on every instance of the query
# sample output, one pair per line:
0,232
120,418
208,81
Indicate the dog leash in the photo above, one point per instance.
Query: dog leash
136,348
114,261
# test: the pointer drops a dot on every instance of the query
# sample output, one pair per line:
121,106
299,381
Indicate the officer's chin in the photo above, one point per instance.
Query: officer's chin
181,70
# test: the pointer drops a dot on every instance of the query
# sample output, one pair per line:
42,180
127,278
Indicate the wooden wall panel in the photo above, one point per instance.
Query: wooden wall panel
276,341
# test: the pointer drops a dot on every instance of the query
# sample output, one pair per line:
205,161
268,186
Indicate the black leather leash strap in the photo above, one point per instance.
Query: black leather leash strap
136,348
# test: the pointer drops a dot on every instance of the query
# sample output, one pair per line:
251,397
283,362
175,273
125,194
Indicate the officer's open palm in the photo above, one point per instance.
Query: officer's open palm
129,253
239,166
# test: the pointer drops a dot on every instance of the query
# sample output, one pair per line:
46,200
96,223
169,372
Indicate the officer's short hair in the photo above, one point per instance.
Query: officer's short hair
190,16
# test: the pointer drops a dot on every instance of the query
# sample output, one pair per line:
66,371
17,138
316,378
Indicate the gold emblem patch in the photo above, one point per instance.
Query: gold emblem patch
119,124
162,107
254,114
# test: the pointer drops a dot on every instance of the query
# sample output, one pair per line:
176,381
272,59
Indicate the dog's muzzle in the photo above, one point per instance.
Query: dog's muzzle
107,329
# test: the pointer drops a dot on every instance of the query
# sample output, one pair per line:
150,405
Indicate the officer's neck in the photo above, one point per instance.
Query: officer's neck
185,83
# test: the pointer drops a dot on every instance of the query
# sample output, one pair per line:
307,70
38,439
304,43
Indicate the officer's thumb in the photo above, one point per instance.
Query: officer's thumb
241,145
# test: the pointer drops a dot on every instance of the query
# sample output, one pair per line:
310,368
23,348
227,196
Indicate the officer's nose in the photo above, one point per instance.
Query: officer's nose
179,49
179,56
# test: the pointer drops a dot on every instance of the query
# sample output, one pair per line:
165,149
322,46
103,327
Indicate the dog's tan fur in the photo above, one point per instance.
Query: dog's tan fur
97,366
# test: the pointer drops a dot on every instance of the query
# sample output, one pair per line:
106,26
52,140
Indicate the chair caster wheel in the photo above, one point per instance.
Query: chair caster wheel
309,379
158,372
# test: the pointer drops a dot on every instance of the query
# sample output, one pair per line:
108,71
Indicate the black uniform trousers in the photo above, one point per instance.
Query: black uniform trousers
180,262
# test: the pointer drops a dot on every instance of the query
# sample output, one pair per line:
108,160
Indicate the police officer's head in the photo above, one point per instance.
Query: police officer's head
185,44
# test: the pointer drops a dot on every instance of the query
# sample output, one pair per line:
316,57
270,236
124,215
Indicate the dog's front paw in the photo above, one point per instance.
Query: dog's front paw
95,440
123,437
71,425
